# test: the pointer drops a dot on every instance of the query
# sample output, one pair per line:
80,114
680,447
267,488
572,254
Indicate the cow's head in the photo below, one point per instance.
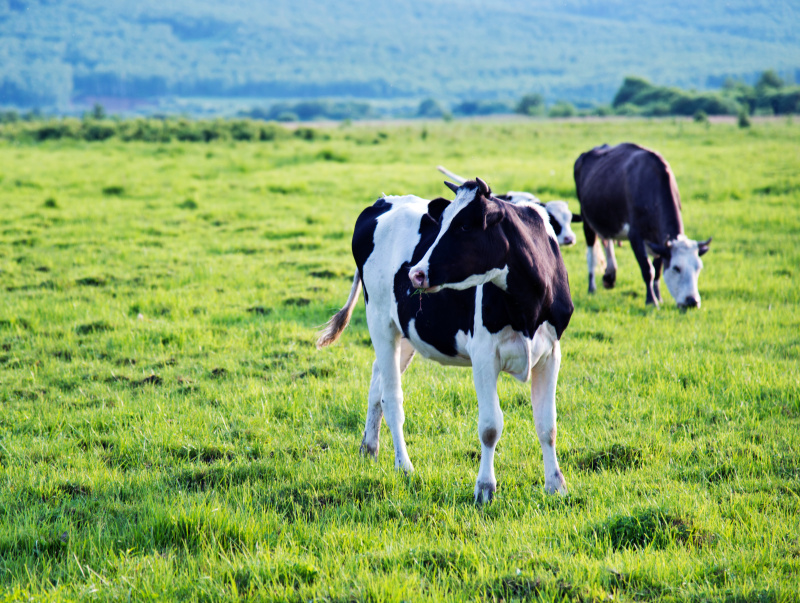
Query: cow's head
682,266
470,248
560,219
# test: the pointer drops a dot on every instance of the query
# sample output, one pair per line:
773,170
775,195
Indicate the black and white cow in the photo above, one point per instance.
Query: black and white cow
476,281
629,192
560,215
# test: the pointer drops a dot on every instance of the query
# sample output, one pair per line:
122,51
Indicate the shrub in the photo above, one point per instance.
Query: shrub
469,108
430,108
631,88
744,119
530,104
561,109
95,131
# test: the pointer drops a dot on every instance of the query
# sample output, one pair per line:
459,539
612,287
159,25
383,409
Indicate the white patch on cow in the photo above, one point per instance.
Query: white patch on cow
513,349
396,236
517,197
496,276
623,233
684,269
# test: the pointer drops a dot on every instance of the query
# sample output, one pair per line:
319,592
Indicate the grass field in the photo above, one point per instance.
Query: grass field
168,430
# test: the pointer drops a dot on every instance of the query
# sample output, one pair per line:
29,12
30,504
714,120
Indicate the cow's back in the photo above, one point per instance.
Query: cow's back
626,186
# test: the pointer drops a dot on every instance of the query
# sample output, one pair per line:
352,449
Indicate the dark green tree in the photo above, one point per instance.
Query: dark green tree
530,104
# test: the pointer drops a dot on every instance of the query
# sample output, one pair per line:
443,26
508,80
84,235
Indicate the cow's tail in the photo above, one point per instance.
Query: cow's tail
334,327
449,174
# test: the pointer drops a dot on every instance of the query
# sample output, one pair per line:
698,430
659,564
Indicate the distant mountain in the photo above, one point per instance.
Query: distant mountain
56,52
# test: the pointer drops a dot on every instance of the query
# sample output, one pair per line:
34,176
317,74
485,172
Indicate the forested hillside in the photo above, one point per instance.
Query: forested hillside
55,52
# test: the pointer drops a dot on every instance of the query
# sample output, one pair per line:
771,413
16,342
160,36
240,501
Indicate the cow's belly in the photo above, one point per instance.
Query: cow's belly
607,225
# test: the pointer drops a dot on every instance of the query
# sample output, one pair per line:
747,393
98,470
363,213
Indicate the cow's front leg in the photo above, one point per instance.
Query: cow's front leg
490,425
386,341
657,262
544,377
610,275
370,443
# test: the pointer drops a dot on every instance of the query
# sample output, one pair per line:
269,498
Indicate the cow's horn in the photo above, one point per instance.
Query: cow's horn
451,186
484,187
704,243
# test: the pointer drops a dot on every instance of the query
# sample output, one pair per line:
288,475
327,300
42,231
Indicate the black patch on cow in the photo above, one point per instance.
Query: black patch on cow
364,235
473,243
438,316
554,223
537,284
436,208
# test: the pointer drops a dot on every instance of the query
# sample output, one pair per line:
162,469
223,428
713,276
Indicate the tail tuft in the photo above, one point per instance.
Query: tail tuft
332,329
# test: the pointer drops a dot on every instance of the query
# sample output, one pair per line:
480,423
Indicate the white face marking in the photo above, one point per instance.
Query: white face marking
683,271
463,198
560,211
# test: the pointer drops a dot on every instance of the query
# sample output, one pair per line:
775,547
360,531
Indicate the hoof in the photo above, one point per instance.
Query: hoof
406,467
367,450
609,280
484,493
556,483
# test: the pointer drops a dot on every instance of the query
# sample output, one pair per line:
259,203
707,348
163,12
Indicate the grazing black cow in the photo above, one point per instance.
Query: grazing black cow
629,192
560,215
474,282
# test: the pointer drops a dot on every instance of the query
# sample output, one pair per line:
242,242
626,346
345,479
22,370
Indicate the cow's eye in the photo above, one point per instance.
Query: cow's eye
677,269
466,228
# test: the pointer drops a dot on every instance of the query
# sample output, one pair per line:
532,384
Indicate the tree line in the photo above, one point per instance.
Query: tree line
636,97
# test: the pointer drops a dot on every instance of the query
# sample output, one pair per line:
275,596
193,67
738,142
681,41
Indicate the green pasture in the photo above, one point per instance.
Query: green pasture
169,431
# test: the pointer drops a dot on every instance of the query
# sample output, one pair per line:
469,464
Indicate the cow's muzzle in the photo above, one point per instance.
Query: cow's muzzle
418,278
690,302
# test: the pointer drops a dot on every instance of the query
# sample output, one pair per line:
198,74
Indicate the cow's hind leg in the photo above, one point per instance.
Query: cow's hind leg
490,425
610,275
648,272
370,443
544,377
386,340
591,254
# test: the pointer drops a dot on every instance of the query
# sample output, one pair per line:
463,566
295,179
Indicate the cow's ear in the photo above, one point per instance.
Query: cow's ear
492,215
451,186
436,208
577,218
702,246
660,250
